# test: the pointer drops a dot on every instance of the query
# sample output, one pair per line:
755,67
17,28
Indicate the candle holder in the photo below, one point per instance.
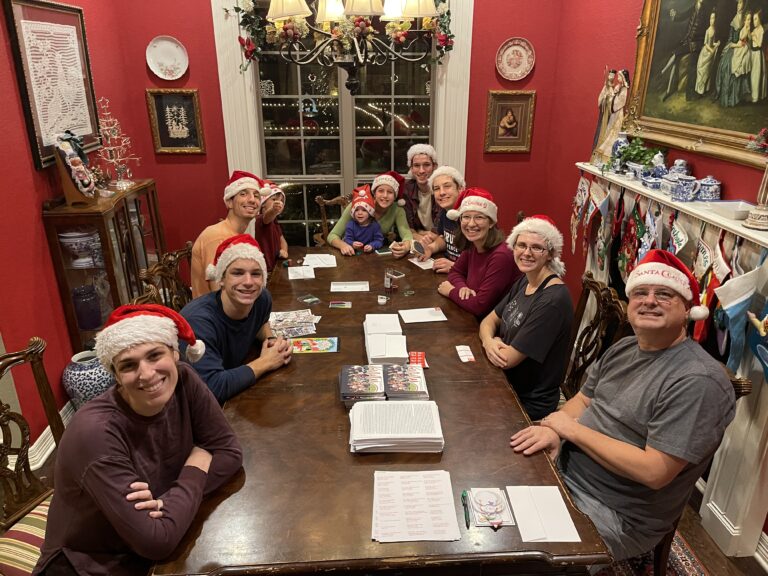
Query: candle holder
758,216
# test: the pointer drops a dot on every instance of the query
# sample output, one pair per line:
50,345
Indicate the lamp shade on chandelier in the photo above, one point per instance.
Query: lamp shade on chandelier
346,34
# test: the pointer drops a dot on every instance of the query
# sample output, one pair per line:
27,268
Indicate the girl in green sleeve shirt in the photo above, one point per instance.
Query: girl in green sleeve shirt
389,215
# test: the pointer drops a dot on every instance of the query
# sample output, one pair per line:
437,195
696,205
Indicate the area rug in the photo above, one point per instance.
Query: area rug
682,562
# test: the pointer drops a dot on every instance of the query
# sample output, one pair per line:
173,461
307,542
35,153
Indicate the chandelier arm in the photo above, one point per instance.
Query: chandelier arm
289,53
391,54
318,30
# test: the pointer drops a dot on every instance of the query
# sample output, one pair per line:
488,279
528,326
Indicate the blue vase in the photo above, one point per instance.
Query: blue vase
85,378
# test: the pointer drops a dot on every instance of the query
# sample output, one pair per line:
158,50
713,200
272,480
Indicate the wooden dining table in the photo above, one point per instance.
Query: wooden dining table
303,502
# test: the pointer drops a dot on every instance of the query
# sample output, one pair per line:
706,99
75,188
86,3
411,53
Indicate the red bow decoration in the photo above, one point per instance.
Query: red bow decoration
248,47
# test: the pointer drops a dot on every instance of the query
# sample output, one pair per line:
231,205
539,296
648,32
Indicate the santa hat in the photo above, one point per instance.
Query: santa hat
240,181
543,226
131,325
474,200
662,268
270,189
417,149
448,171
362,197
394,180
231,249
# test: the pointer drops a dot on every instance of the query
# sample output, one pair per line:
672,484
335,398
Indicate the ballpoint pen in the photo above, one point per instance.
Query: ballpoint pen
466,507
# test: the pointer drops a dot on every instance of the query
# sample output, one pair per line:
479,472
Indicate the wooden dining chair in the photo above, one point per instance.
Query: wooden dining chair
341,201
165,282
24,498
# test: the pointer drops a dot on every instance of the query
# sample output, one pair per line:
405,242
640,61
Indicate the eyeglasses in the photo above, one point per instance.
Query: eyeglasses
473,218
662,296
534,248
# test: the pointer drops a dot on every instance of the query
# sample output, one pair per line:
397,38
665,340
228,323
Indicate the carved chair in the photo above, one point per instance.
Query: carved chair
24,498
607,325
163,281
741,387
340,201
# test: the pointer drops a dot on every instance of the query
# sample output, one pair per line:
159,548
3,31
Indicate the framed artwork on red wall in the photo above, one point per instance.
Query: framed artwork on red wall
701,76
174,115
54,74
509,121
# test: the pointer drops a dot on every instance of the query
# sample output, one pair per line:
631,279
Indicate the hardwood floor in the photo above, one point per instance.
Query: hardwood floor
716,563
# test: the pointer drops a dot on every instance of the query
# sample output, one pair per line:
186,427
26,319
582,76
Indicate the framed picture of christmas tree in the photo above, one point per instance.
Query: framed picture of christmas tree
174,115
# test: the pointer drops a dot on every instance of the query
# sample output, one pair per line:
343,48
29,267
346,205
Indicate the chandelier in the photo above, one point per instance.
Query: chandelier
346,35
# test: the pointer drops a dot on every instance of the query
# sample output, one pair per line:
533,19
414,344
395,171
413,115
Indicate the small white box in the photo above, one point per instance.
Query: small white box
732,209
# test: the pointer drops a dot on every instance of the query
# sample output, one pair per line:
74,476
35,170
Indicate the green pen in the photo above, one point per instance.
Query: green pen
466,507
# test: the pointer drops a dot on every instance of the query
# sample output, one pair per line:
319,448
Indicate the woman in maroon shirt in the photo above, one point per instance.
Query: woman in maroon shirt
486,269
135,462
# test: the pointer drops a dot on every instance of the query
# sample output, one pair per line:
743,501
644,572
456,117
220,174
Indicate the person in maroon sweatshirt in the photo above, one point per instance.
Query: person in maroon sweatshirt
486,269
135,462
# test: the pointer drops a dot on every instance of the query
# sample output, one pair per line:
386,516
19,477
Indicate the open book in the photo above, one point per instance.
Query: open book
407,426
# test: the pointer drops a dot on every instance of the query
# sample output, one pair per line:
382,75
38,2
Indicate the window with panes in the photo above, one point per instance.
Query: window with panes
318,139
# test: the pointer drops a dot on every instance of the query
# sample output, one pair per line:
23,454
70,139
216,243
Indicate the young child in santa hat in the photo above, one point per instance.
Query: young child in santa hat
362,231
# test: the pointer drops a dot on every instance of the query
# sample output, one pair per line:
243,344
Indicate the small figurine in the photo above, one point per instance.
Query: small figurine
659,168
760,325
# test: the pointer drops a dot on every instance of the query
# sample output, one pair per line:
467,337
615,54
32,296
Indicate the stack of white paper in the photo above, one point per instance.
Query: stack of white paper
408,426
541,514
384,342
413,506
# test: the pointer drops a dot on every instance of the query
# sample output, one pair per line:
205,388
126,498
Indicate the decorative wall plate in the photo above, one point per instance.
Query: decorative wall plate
167,57
515,59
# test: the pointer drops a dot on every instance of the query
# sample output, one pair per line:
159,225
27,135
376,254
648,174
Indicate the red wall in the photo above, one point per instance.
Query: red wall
189,186
573,41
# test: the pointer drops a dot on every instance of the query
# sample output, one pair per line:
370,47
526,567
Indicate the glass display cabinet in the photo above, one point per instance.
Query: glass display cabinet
98,251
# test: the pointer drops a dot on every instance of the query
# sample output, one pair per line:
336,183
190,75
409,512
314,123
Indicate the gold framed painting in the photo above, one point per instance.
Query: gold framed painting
174,115
509,122
700,84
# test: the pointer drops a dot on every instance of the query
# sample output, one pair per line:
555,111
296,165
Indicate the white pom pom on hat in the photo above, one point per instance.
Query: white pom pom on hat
662,268
131,325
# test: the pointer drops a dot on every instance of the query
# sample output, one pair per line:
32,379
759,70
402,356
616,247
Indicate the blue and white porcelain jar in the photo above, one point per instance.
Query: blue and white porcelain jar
618,147
85,378
710,188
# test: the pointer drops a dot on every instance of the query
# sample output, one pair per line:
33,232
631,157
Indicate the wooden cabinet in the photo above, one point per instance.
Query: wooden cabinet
98,251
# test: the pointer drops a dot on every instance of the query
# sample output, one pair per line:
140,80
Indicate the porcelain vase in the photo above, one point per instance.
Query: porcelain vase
85,378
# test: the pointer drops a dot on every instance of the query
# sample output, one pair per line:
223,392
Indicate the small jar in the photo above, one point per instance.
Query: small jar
87,309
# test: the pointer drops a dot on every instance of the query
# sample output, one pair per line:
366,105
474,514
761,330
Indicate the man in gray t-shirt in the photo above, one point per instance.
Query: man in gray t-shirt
647,420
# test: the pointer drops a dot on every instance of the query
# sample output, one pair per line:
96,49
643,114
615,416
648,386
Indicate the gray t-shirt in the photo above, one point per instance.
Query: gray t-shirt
678,401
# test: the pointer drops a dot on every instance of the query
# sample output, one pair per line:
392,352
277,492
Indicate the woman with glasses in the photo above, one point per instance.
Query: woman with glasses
528,332
486,269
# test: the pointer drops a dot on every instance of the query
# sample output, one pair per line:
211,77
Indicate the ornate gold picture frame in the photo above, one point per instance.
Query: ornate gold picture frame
509,122
174,115
684,92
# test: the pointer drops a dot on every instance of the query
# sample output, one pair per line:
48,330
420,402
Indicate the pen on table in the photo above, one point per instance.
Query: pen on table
466,507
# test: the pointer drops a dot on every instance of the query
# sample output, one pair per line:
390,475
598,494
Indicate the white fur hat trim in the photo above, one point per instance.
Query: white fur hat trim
385,179
241,184
417,149
448,171
235,252
140,330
